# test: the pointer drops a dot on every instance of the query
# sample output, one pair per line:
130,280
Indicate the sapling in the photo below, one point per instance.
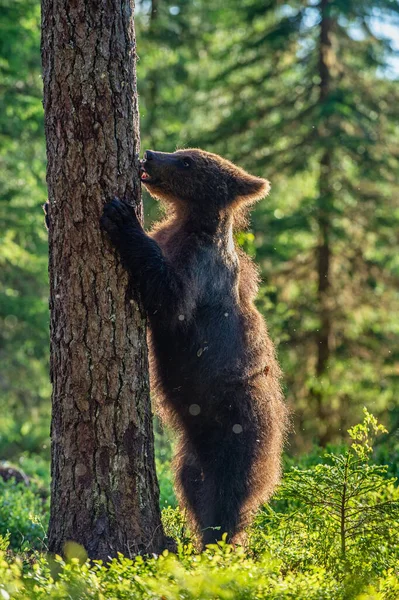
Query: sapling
341,512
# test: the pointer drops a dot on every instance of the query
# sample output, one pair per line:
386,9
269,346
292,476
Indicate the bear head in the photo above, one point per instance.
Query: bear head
198,179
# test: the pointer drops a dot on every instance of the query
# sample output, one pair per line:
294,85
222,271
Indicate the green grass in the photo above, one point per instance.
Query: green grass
331,532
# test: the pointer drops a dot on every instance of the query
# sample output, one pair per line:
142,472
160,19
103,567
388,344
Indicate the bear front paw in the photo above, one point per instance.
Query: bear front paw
117,215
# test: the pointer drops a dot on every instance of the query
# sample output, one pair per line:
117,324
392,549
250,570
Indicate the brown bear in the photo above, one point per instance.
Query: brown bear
213,366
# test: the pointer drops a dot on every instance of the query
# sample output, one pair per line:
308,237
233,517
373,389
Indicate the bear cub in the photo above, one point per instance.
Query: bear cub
213,365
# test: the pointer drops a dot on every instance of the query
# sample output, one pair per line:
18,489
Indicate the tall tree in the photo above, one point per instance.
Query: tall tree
304,95
104,491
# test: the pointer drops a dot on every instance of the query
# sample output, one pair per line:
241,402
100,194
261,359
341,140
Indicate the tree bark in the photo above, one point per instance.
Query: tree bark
104,492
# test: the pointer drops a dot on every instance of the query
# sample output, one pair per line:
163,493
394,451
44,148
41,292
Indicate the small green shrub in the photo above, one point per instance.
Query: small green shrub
219,573
342,515
175,526
23,516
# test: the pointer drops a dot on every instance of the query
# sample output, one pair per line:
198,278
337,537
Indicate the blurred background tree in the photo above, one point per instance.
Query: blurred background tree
304,93
24,381
301,92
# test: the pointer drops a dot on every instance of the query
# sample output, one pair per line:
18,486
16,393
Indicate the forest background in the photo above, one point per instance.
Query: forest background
304,93
245,79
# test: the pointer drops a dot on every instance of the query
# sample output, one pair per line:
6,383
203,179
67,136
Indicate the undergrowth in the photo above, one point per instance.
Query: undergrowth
331,533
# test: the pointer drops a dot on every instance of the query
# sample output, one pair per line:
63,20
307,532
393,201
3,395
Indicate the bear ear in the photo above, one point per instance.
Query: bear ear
249,189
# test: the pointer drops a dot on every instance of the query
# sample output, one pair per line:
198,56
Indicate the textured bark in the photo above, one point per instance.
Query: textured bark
104,490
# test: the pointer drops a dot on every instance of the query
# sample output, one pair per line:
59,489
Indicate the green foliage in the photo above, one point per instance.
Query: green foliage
241,79
295,548
387,453
37,468
25,389
245,81
220,573
166,493
176,527
23,516
163,459
342,514
331,154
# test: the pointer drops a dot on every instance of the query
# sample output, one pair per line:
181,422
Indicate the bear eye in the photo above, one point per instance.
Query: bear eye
186,161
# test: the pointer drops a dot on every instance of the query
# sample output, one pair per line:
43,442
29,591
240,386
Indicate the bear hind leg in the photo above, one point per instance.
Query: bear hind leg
189,483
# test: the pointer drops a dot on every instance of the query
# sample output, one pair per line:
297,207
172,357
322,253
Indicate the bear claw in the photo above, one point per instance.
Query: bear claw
116,214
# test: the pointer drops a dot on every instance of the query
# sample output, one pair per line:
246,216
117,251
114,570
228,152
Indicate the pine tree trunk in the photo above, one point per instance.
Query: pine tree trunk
323,337
104,490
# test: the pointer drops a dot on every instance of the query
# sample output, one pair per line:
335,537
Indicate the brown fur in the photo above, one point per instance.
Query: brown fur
213,365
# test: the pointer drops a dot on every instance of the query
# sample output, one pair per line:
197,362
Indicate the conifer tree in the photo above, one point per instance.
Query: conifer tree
305,97
104,491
